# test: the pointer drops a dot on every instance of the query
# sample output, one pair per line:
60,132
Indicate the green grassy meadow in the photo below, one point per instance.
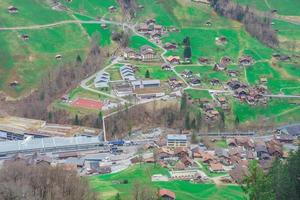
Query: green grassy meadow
183,190
28,61
198,94
283,7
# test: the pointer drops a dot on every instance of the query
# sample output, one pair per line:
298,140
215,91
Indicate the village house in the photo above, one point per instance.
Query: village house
24,37
174,83
166,67
225,60
176,140
181,152
187,73
104,26
164,152
261,149
214,82
167,194
173,59
147,53
274,148
194,81
170,46
246,60
203,60
232,73
220,67
12,9
245,142
221,40
142,28
129,53
216,167
112,9
187,161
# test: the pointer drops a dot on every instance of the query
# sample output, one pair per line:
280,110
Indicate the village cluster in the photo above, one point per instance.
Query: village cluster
199,162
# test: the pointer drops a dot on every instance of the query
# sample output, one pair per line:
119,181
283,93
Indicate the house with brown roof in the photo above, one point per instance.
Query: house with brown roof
203,60
170,46
163,153
179,166
147,53
187,161
216,167
274,148
173,59
238,173
181,152
167,194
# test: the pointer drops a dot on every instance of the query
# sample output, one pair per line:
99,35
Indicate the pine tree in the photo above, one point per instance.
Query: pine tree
147,74
187,122
183,103
76,120
187,53
117,197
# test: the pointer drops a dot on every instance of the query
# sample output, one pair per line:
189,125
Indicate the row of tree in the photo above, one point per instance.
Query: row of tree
282,182
257,24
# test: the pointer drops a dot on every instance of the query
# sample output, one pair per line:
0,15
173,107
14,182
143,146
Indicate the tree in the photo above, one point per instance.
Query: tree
19,180
76,120
147,74
237,121
143,192
256,182
118,197
186,41
183,103
187,53
194,138
78,59
187,122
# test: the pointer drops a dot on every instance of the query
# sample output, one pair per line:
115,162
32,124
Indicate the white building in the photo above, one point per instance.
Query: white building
102,79
177,140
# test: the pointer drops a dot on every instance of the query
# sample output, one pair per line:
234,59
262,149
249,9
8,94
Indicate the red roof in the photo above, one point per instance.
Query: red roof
168,193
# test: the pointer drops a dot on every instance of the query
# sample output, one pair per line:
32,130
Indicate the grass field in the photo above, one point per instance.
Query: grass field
28,61
155,72
94,8
30,13
275,108
183,190
135,42
283,7
198,94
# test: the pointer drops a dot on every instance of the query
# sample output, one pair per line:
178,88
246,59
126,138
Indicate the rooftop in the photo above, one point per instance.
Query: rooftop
177,137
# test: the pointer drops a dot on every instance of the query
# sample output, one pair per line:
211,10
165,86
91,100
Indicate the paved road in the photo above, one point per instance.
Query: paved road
281,96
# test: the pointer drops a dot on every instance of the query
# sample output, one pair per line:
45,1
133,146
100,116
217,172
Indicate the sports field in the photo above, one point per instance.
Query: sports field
87,103
104,184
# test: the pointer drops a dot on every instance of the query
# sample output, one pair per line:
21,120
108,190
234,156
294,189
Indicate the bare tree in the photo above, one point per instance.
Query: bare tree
20,181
